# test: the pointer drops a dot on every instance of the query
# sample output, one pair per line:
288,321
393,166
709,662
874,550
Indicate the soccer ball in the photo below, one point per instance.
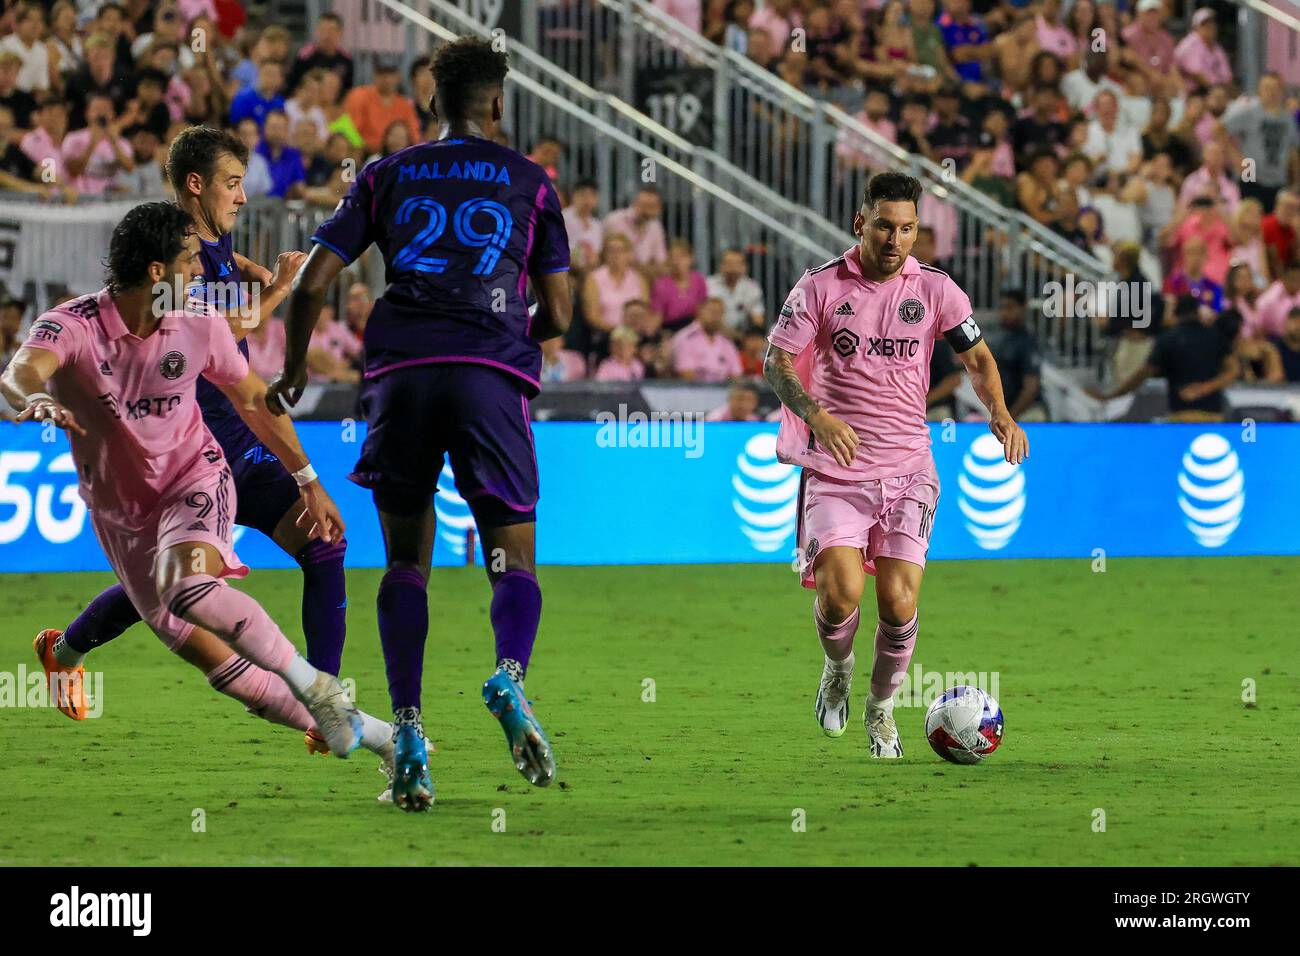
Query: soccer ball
964,725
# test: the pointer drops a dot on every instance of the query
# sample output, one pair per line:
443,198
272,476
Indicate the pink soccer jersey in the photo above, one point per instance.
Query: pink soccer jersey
135,398
863,352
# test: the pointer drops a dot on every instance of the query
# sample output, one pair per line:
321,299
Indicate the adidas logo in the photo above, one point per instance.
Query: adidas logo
104,369
197,526
845,309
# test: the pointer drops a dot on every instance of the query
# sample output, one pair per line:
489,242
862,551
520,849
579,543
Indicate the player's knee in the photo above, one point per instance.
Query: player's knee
317,552
410,571
896,602
838,604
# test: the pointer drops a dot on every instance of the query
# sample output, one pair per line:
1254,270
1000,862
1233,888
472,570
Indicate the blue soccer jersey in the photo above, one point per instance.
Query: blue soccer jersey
461,223
220,287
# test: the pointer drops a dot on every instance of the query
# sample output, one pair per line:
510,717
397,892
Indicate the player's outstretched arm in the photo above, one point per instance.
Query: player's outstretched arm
835,436
983,371
275,287
276,432
21,384
305,301
554,305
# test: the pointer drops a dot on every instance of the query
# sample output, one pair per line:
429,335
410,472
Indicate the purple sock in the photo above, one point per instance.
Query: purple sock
104,618
403,627
324,603
516,609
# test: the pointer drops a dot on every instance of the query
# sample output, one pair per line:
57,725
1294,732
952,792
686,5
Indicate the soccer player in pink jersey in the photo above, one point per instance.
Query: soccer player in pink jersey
123,365
849,358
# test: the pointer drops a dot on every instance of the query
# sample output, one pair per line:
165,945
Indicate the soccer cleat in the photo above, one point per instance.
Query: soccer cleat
337,718
409,785
529,748
69,693
832,707
316,743
883,732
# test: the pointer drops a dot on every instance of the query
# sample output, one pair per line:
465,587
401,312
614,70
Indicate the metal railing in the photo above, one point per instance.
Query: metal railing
813,153
613,143
1253,17
767,144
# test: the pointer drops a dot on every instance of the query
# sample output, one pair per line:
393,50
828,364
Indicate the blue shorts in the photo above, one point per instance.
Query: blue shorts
264,490
476,414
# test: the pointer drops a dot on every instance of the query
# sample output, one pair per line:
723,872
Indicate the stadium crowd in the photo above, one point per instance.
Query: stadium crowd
1093,118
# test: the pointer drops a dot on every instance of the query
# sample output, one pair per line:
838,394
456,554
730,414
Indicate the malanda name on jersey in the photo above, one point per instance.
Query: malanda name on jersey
482,171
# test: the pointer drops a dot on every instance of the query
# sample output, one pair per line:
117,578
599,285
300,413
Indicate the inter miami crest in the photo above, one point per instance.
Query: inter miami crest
172,365
911,311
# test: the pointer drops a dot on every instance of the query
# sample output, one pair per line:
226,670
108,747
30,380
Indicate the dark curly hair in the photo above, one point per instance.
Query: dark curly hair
892,187
151,232
197,150
468,73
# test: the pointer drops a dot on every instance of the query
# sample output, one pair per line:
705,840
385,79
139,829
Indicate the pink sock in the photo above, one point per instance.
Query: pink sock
837,639
894,645
233,616
265,694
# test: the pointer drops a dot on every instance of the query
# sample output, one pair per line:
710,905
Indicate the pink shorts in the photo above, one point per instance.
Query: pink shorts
884,517
201,510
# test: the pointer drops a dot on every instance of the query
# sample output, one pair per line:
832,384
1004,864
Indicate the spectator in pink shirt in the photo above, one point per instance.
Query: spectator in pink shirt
1150,47
875,116
333,353
1211,179
1199,55
702,352
560,364
95,155
266,348
586,234
687,12
612,285
741,406
640,223
777,18
678,294
622,364
1052,36
1204,223
1276,302
43,145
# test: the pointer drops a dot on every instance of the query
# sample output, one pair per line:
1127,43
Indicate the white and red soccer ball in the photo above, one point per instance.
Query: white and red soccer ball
964,725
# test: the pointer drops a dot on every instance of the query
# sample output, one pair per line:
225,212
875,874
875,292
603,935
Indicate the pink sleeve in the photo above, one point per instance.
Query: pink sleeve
800,316
226,364
734,367
57,332
954,307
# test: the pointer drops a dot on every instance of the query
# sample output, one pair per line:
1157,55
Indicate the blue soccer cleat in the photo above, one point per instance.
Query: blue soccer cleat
411,788
529,748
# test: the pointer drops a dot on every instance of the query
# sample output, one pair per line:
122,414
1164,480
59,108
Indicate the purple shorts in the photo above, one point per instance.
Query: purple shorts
265,490
475,413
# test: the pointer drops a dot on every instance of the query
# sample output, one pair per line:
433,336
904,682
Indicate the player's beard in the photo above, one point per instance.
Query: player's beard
874,260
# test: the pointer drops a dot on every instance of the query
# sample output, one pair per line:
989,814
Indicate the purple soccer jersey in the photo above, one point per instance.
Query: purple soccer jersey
219,286
461,223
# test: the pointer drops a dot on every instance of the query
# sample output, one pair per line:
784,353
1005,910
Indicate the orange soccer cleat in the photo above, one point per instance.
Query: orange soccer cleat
67,690
315,743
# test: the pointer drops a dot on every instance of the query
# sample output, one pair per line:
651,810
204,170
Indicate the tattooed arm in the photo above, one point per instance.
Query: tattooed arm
835,436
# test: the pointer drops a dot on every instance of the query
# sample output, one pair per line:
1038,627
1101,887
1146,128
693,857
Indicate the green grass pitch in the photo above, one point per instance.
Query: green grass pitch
1122,693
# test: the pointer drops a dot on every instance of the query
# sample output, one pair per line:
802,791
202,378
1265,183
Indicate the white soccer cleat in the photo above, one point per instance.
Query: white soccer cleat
883,732
337,718
832,707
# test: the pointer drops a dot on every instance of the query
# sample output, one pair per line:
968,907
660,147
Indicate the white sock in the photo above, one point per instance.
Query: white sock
841,667
66,655
299,675
375,733
887,705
